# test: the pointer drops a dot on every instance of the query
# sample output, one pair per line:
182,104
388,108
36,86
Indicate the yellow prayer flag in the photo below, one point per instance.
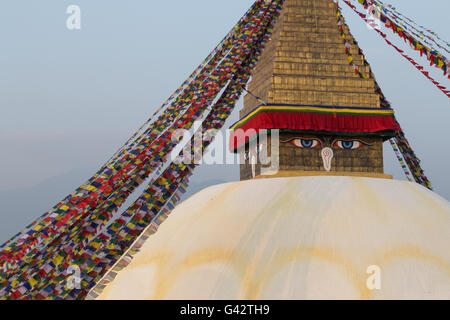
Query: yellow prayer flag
32,282
58,259
91,188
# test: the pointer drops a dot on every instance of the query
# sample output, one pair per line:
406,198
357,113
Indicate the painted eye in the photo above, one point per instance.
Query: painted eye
304,143
349,144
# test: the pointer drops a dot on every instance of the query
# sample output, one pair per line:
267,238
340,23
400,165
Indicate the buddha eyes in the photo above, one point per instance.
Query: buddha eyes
304,143
311,143
349,144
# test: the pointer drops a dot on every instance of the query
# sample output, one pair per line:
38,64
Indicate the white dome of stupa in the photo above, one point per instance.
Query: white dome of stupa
297,238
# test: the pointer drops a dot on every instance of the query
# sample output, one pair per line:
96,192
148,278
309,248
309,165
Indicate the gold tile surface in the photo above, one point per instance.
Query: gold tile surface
305,63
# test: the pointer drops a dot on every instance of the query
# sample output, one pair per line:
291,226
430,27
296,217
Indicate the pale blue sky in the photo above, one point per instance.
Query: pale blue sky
69,99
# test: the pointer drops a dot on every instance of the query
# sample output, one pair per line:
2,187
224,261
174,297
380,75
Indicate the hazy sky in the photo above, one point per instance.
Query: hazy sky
69,99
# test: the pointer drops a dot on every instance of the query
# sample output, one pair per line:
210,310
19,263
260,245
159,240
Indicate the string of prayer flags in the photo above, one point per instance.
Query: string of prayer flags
419,67
433,56
88,235
347,43
429,37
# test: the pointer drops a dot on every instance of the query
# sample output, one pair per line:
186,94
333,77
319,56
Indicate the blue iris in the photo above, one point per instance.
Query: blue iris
307,143
347,144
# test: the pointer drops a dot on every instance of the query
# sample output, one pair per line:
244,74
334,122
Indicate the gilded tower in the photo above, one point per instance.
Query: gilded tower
312,83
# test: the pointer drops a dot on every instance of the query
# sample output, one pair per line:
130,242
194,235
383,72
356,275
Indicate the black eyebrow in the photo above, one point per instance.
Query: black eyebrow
304,138
350,139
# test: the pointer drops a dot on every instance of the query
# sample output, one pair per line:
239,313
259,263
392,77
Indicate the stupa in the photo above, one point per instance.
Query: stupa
329,224
328,111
